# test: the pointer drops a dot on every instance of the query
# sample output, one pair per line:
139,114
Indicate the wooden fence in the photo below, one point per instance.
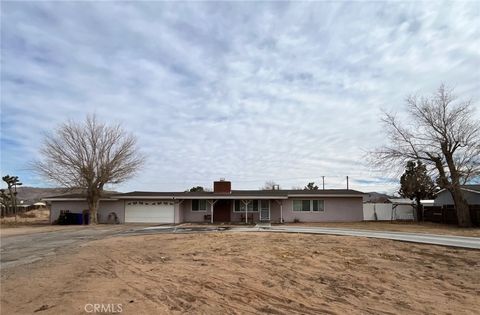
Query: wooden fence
447,214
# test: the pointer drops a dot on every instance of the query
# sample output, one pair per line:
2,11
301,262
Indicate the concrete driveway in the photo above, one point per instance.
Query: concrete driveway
433,239
445,240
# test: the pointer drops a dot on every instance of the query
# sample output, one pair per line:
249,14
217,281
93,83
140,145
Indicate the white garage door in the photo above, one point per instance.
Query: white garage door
149,212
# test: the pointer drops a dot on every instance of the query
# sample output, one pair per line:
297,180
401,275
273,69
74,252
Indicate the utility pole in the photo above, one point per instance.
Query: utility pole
323,182
347,182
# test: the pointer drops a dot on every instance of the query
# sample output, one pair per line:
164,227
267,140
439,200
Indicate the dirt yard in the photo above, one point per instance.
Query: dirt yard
249,274
413,227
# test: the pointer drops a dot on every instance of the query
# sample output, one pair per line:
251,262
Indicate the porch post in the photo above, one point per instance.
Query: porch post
281,209
211,212
212,203
246,210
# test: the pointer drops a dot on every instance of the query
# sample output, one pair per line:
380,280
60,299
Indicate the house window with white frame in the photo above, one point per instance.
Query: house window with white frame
309,205
199,205
318,205
251,207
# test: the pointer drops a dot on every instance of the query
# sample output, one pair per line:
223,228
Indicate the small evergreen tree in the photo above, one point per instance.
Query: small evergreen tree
311,186
196,189
416,184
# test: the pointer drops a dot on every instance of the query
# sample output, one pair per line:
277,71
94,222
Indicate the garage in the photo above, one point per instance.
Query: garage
149,212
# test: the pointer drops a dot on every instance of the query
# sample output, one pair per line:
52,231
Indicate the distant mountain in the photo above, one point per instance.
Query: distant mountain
30,195
375,197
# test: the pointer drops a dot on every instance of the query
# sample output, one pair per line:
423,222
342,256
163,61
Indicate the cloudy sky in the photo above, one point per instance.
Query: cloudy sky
248,91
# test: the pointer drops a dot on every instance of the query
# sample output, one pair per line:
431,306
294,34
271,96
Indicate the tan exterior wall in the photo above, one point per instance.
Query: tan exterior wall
193,216
348,209
178,212
104,209
237,216
336,210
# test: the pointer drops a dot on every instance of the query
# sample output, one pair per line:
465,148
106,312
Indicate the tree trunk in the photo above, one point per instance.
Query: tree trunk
461,207
419,210
93,203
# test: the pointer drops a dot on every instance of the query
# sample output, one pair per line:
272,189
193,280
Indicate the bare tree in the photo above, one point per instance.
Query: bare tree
89,155
442,133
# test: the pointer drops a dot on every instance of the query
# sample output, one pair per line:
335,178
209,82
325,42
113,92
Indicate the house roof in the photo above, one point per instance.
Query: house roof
78,196
401,201
471,188
235,194
475,188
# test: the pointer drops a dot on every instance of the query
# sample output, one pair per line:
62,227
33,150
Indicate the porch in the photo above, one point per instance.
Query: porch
233,210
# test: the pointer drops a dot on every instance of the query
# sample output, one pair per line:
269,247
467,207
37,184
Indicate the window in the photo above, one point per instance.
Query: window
308,205
318,205
301,205
199,205
251,207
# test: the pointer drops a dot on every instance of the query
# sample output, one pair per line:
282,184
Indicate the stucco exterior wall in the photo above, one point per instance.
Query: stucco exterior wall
178,212
275,211
445,198
336,210
104,209
237,216
193,216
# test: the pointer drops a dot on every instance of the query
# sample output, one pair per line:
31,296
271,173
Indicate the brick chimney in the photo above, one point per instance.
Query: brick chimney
222,186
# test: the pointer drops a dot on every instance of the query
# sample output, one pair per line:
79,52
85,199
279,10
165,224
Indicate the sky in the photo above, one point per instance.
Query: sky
246,91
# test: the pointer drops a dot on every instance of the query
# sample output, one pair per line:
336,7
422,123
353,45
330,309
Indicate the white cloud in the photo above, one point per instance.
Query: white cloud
246,91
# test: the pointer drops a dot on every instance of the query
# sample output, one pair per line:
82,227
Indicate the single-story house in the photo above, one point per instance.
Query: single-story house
470,192
220,205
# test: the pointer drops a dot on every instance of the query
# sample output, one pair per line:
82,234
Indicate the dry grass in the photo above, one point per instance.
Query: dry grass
237,273
32,217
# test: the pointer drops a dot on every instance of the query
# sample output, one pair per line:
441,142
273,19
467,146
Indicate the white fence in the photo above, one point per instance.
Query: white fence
387,212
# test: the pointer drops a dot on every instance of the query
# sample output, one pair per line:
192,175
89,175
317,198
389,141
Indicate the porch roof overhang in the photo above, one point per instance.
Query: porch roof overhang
243,194
207,195
75,199
210,197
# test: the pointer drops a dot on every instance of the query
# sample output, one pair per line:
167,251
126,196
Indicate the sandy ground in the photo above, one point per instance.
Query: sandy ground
239,273
413,227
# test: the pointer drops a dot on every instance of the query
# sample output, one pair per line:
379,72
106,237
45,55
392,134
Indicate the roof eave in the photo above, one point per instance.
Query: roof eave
76,199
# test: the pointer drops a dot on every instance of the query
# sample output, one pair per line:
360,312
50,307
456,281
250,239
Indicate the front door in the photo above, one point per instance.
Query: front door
264,210
221,210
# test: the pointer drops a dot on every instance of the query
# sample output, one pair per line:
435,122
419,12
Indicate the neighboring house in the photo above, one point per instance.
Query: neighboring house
220,205
470,192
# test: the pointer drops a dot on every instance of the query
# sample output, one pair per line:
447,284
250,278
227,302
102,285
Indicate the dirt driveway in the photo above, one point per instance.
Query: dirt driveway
249,273
25,245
